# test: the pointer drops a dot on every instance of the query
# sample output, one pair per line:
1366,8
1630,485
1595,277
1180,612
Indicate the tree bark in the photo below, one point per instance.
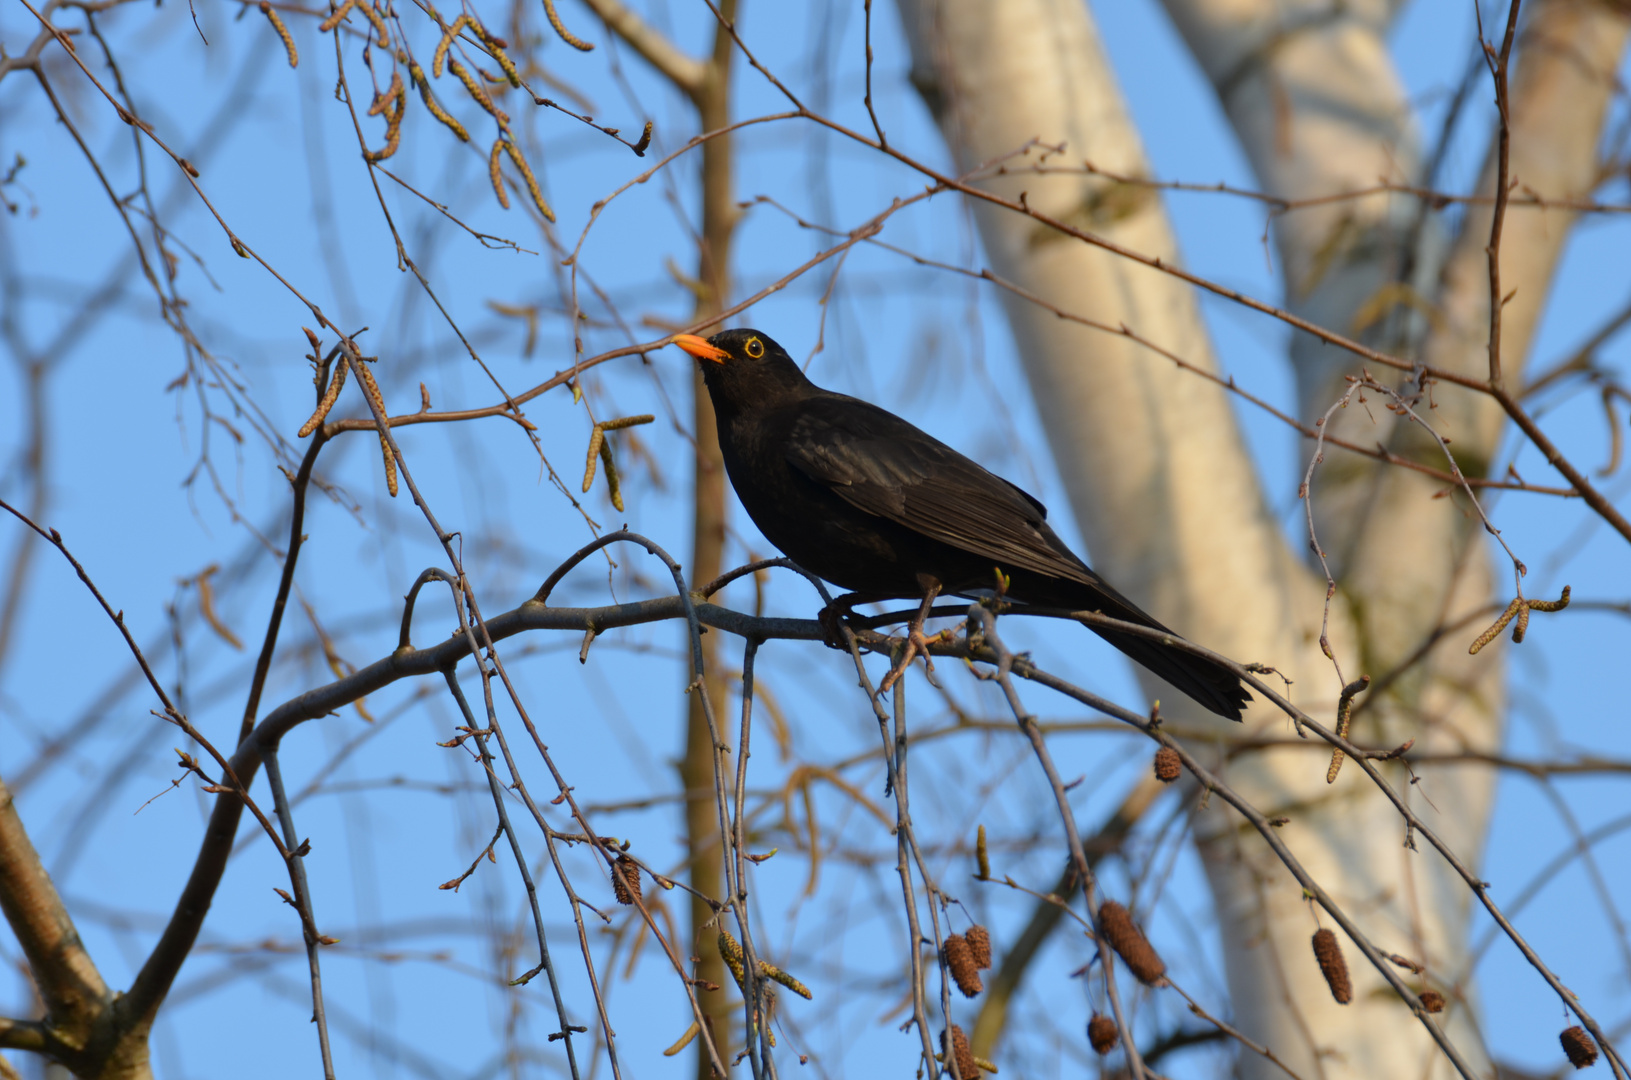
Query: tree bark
84,1027
1163,490
704,844
1342,122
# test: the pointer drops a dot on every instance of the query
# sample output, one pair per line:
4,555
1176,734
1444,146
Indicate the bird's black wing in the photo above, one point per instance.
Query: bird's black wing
883,465
879,463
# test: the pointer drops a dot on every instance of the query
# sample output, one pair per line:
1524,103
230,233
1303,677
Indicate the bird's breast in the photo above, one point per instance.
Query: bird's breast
809,522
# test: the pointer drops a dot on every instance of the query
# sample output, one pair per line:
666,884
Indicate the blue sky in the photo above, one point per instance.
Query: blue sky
281,166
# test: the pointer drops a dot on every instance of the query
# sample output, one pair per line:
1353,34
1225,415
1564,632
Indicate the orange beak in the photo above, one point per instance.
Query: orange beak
699,348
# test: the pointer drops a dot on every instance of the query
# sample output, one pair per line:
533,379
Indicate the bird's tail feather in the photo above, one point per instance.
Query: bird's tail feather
1208,682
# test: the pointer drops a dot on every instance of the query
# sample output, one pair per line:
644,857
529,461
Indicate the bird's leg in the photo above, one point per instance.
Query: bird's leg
916,643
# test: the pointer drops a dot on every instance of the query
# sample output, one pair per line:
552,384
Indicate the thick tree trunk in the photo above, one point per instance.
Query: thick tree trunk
707,855
1410,563
1164,491
85,1026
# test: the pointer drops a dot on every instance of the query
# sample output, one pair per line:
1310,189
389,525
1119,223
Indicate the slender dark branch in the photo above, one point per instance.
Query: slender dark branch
870,111
297,536
1501,66
982,624
118,617
495,788
433,574
24,1035
1046,917
303,905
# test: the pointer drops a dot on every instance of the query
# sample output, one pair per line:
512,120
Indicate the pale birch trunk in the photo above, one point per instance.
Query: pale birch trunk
1165,494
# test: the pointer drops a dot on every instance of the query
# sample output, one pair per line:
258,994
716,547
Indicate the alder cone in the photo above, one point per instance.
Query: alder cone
961,1053
1432,1001
1130,944
1168,766
1102,1033
626,881
1335,969
960,959
979,945
1578,1045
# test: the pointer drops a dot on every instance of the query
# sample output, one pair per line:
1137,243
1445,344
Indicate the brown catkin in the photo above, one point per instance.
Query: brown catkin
1168,766
497,177
1578,1045
626,881
979,946
1130,944
330,395
966,1068
390,464
960,959
282,32
1432,1001
1102,1033
1335,969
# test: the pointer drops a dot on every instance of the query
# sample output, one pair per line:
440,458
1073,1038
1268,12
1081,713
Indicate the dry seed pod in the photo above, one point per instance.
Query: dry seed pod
1335,969
1168,766
1578,1045
626,880
1102,1033
1130,944
979,945
1432,1001
966,1067
960,959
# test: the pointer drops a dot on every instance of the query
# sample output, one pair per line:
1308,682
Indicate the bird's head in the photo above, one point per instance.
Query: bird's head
742,364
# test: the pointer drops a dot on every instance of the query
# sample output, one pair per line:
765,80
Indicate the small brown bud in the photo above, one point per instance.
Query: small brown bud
1578,1045
1168,767
1432,1001
960,1052
1335,969
1102,1033
960,960
626,880
1130,944
979,946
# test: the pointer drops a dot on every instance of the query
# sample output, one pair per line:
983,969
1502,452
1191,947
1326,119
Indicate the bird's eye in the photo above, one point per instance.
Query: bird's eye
754,348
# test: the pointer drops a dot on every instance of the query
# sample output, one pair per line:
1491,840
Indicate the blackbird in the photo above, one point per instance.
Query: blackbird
863,499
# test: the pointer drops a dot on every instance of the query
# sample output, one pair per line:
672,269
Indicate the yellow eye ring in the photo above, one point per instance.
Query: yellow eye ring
754,348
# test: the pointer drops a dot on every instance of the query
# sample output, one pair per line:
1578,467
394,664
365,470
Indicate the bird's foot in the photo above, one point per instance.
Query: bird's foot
916,645
831,619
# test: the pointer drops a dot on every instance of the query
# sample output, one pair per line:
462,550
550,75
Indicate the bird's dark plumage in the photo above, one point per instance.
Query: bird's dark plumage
860,497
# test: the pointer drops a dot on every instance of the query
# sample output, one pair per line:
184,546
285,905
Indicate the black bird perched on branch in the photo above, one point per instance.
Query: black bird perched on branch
860,497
